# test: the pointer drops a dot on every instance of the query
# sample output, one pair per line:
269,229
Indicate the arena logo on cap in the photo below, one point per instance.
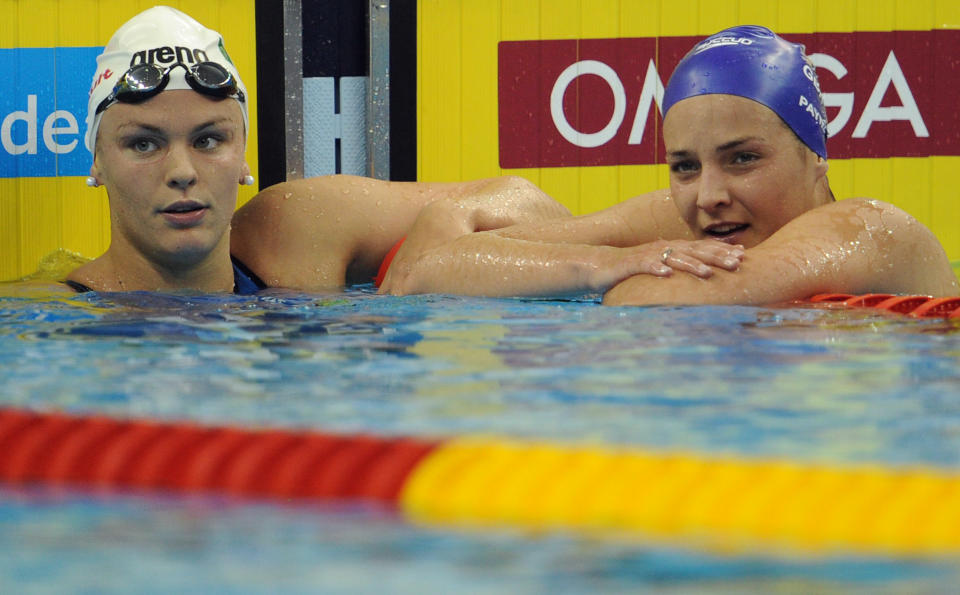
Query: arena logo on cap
158,55
169,55
571,103
43,96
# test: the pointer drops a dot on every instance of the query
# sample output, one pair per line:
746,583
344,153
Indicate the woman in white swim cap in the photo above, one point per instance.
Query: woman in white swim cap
166,123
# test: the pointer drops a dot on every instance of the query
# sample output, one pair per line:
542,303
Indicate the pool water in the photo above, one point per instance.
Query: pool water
813,385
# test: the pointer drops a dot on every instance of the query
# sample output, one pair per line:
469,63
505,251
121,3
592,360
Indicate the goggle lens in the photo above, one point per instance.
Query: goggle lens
140,83
213,76
143,81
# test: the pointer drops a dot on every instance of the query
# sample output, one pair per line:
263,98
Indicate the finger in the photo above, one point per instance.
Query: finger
658,268
681,261
727,257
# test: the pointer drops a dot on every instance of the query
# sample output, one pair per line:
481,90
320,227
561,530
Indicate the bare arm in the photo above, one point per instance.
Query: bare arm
563,256
326,231
480,206
852,246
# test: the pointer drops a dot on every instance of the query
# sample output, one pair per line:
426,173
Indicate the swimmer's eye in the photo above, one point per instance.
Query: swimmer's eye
745,157
208,142
684,167
143,145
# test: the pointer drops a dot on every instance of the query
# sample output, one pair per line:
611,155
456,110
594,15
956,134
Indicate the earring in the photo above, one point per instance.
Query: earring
92,182
247,180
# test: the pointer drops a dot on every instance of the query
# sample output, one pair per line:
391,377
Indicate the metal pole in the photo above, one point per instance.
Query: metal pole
293,88
378,91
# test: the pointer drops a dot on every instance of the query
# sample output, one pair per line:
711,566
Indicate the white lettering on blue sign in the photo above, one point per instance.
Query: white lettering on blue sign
43,100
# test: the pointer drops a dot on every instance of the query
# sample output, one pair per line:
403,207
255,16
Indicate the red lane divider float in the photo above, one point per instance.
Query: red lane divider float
920,306
99,451
715,502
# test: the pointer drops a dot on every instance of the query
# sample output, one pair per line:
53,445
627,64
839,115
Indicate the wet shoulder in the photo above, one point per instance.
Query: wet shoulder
899,238
290,236
875,215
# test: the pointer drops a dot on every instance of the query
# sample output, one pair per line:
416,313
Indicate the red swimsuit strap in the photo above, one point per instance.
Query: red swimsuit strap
387,261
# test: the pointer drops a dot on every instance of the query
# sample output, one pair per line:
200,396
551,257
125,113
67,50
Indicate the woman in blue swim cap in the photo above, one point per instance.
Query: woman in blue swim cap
745,135
749,215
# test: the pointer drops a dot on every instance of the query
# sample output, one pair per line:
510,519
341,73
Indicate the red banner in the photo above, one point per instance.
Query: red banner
569,103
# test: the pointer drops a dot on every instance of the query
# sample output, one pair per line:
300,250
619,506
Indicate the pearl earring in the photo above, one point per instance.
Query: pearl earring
92,182
246,180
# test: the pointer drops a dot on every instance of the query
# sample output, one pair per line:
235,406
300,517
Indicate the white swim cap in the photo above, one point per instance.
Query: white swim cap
163,36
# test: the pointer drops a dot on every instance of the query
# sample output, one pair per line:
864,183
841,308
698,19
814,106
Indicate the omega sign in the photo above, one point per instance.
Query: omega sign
597,101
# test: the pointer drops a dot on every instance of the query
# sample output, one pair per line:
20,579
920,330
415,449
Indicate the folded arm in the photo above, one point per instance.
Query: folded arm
326,231
563,256
479,206
852,246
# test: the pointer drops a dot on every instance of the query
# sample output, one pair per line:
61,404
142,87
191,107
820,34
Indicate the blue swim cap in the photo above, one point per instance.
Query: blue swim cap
756,63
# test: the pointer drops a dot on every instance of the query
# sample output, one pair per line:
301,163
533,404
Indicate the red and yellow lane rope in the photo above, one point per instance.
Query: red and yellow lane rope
478,482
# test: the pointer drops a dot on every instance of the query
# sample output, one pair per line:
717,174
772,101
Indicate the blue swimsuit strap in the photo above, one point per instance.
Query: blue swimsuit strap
245,281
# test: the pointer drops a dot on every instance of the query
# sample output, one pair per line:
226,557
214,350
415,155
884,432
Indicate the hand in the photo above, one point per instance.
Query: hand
661,258
697,257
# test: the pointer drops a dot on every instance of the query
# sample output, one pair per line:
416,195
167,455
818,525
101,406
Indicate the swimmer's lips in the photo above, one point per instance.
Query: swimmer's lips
184,213
726,232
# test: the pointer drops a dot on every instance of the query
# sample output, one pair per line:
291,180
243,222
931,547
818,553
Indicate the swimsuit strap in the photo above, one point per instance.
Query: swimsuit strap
387,261
245,281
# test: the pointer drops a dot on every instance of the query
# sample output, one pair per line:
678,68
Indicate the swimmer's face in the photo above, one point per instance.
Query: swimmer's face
737,172
171,166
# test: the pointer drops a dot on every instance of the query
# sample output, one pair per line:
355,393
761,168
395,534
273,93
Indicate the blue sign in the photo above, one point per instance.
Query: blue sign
43,106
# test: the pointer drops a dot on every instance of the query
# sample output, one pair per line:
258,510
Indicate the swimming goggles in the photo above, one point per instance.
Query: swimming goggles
143,81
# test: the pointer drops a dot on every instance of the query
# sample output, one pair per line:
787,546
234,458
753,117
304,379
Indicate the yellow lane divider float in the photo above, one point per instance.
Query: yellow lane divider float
691,499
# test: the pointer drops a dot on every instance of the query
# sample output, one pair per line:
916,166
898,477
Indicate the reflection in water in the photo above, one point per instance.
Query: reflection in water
802,383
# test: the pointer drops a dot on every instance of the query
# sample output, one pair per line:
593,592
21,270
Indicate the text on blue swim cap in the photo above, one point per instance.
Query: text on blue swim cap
43,103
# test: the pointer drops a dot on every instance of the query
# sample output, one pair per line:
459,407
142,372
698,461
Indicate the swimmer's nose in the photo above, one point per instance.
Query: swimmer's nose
713,190
181,173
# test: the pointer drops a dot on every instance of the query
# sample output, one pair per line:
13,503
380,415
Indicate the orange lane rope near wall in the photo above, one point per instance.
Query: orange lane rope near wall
714,502
918,306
